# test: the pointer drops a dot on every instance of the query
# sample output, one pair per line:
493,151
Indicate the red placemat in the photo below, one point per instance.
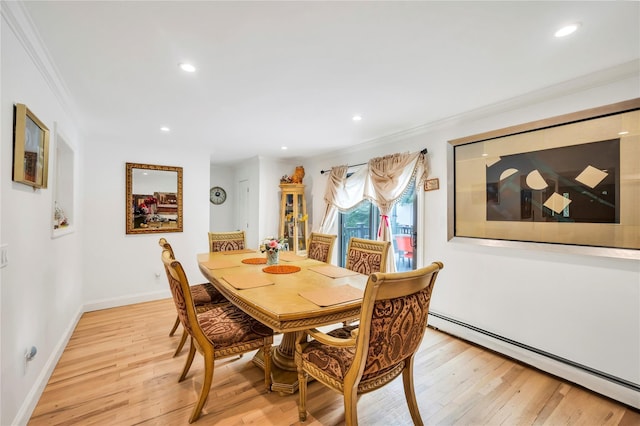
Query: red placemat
281,269
254,261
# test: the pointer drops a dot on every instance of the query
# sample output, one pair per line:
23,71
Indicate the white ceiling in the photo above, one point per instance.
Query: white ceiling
294,73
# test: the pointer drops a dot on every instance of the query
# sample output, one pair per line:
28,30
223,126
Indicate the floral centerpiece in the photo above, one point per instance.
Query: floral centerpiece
272,247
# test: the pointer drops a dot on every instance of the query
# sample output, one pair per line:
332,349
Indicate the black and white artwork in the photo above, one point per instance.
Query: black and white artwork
578,183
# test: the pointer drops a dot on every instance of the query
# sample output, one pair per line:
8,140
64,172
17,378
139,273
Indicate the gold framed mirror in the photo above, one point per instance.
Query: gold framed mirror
154,199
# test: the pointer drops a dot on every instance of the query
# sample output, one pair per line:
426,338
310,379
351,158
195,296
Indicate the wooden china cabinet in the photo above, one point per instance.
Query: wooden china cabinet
293,217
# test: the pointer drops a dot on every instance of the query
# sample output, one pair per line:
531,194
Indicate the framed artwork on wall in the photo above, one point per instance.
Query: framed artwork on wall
573,179
30,148
432,184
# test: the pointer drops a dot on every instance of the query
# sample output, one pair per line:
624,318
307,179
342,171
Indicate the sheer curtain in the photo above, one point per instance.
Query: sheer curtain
383,181
342,194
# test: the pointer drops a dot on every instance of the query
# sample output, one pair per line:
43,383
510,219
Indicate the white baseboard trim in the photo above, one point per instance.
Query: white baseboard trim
31,400
568,372
96,305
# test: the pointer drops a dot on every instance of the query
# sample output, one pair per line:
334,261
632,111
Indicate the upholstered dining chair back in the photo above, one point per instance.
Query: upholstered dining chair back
181,293
353,361
204,296
393,299
367,256
226,241
219,332
321,246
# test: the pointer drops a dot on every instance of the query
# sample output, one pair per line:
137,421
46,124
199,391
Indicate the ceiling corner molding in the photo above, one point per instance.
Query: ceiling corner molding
610,75
16,16
592,80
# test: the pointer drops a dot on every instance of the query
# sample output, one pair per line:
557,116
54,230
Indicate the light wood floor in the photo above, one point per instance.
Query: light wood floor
118,369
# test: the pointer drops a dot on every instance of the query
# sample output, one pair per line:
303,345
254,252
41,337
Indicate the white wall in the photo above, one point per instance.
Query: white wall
579,307
221,217
249,171
121,268
41,288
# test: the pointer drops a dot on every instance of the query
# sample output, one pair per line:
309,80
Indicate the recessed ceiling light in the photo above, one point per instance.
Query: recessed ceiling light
165,129
284,148
187,67
356,118
567,29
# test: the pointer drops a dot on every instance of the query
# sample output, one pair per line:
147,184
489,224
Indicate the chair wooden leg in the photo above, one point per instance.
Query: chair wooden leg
409,392
351,406
206,385
267,366
175,326
187,364
183,339
302,392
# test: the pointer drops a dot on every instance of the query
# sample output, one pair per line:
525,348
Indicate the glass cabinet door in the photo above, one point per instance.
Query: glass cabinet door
293,217
301,224
289,214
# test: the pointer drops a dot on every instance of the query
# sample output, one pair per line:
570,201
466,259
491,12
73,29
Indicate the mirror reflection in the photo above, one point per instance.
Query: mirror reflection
154,198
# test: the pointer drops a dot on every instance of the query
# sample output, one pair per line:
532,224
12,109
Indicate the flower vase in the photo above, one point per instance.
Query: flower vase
273,257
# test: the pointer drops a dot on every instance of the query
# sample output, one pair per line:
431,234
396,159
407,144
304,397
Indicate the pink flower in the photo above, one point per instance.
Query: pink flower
273,244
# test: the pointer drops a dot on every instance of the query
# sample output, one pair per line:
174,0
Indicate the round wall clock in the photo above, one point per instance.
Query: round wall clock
217,195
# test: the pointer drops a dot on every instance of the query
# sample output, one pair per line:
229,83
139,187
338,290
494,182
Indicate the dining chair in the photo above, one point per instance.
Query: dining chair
226,241
367,256
220,332
320,246
393,320
204,295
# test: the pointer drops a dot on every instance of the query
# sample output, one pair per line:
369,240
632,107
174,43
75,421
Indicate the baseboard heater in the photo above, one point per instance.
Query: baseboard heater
590,370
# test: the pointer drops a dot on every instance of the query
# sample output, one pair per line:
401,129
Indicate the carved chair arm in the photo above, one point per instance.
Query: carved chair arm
332,341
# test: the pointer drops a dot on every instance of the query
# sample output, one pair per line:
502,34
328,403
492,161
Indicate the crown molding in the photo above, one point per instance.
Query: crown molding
17,18
610,75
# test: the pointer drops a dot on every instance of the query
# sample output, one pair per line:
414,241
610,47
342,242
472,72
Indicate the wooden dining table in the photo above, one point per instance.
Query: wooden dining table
312,294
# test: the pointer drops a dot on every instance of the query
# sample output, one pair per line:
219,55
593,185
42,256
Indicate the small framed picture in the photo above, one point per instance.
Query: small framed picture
431,184
30,148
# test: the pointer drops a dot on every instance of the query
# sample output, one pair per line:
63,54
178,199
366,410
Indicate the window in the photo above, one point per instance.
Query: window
364,220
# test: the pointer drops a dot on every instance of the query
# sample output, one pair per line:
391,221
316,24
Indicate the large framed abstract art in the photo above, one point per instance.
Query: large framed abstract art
572,180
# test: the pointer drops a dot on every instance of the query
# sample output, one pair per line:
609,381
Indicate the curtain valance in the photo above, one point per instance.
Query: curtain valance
383,181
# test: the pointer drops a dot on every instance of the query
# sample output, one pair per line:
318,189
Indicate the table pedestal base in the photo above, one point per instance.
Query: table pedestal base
282,381
284,375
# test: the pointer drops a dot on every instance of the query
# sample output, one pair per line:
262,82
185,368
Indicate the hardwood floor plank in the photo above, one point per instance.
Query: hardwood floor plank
119,369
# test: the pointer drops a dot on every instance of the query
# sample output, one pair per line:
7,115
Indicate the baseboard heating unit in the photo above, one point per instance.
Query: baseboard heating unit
591,378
